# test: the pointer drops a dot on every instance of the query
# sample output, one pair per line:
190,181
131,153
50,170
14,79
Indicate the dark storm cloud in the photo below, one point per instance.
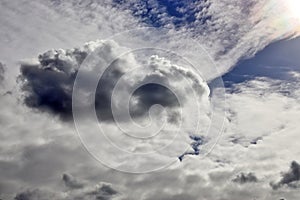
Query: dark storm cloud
245,178
290,178
151,94
48,85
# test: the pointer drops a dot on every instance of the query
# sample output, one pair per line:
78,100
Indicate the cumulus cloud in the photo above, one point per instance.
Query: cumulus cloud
55,151
48,84
253,101
34,145
48,87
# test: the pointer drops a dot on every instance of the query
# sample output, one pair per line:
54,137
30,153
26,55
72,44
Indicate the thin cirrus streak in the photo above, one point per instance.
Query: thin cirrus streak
229,30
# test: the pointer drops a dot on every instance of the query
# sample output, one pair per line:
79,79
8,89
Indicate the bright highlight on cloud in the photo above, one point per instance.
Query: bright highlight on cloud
293,6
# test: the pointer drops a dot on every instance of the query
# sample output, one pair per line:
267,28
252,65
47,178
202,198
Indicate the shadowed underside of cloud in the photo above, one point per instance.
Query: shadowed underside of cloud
48,84
290,179
47,87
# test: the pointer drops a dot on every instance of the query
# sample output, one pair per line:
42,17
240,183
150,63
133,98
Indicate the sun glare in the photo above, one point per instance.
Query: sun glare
294,8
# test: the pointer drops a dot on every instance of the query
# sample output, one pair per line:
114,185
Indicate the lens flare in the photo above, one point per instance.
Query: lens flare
281,18
293,7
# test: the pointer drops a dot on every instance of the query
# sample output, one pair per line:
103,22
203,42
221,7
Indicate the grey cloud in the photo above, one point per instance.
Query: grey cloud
101,191
151,94
290,178
245,178
37,194
71,182
48,84
1,72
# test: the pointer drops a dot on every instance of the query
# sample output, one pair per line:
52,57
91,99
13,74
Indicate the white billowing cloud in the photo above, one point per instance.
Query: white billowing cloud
37,148
42,157
132,82
150,81
275,98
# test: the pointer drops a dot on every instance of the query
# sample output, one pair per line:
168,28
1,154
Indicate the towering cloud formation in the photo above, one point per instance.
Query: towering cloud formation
48,84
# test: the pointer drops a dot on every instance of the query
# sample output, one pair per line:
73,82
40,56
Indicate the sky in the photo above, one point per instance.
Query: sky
156,99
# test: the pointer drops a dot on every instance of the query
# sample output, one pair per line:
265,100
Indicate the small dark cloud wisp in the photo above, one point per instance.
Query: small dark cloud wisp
290,179
245,178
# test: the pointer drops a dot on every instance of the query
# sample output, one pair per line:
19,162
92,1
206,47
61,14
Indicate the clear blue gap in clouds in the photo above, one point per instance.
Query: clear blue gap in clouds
149,11
275,61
